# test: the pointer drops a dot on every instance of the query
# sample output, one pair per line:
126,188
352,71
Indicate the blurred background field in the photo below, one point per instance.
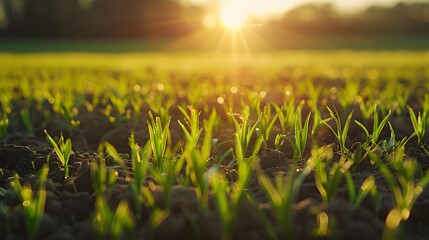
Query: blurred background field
213,62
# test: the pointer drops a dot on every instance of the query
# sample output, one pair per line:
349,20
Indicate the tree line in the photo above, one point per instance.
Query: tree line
98,18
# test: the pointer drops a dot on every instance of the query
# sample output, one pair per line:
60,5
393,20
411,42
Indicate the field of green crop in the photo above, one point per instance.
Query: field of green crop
286,145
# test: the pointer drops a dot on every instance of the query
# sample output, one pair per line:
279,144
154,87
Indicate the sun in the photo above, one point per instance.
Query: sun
233,15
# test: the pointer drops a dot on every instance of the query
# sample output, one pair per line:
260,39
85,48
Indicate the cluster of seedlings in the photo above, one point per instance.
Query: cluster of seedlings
210,135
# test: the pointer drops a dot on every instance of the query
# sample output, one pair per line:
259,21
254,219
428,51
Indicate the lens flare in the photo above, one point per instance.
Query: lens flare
233,15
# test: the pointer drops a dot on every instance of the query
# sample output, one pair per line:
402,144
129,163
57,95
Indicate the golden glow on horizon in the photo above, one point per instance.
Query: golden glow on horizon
267,8
233,15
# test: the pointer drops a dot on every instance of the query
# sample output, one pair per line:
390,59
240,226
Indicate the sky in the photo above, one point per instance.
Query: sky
268,7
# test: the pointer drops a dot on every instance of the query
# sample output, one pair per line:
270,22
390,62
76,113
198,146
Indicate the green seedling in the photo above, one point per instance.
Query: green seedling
404,187
196,161
279,141
419,124
282,195
221,156
140,170
367,108
5,101
63,151
425,105
314,93
426,101
159,138
157,217
193,134
324,227
160,107
165,167
341,131
107,111
64,106
103,179
92,104
228,198
109,224
227,207
347,97
356,198
244,133
140,163
391,144
372,143
400,100
4,123
166,174
266,123
376,128
426,151
286,115
318,122
301,134
33,205
327,174
27,120
253,102
120,104
142,194
136,103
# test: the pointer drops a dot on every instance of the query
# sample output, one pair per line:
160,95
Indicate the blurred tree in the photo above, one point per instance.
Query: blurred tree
399,19
4,18
96,18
